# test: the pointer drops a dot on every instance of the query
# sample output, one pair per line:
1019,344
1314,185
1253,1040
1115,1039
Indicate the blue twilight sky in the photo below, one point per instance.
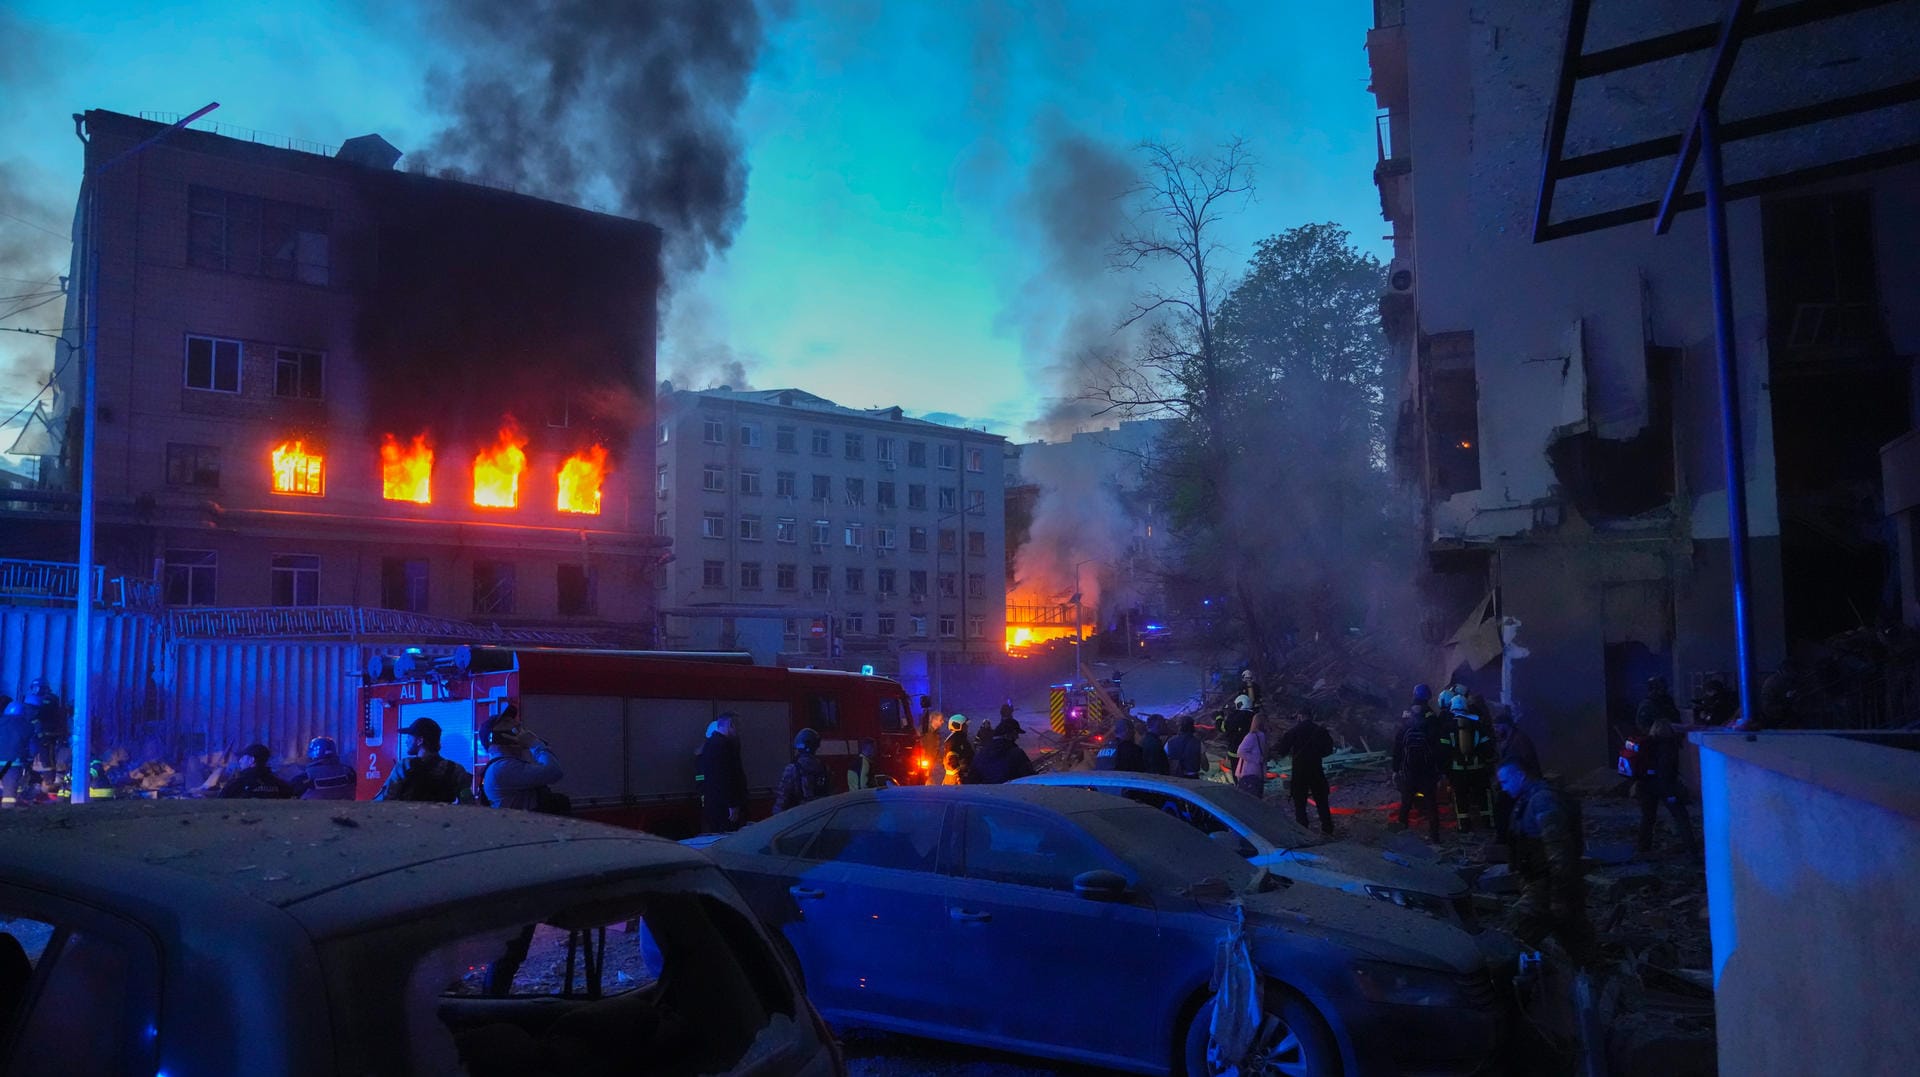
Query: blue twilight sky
892,250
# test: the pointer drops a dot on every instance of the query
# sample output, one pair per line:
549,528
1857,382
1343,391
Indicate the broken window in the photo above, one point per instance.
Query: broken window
493,587
1617,478
1453,415
577,587
1822,297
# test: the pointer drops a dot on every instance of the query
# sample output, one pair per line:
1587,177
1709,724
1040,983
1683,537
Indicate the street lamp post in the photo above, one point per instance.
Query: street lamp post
1079,621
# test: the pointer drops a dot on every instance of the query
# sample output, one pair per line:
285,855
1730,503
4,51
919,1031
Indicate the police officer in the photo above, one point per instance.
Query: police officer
1547,847
1120,752
325,777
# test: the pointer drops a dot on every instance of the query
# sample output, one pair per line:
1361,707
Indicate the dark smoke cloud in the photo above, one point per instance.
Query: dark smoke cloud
576,100
33,236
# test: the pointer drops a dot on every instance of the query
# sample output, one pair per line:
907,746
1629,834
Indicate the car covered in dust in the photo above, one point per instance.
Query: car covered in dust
321,937
1083,927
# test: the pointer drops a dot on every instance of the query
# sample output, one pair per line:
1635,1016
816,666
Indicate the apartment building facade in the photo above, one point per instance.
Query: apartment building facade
1556,404
880,532
324,382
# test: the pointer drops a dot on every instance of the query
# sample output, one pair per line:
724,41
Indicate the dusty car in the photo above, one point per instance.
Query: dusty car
1079,926
1266,834
326,937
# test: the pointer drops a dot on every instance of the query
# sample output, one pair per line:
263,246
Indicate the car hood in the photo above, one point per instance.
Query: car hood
1372,865
1369,928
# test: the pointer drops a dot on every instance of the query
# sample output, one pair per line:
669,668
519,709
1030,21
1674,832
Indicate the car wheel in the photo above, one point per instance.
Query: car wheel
1293,1041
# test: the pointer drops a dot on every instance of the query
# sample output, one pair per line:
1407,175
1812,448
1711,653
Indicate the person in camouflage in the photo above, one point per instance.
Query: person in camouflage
1547,846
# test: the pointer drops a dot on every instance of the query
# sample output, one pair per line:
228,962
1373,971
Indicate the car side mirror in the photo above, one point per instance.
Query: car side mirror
1100,885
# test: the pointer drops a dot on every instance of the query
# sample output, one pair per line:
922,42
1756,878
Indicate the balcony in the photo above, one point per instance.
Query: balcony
1387,53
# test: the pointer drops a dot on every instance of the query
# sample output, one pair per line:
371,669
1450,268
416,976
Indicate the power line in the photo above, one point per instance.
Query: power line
17,311
35,398
37,227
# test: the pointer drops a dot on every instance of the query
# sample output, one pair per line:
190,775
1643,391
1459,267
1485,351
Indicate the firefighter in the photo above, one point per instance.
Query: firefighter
957,758
1470,761
722,778
1423,698
325,777
257,780
1251,688
423,774
1002,760
1548,845
1658,782
17,733
520,769
1309,743
803,779
1417,761
933,728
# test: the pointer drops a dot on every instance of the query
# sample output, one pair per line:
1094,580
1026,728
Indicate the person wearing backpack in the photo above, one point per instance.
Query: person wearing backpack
425,775
1416,764
803,779
1309,744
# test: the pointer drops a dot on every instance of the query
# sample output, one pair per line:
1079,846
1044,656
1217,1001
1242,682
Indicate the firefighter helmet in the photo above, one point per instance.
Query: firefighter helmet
320,748
807,740
1421,693
956,722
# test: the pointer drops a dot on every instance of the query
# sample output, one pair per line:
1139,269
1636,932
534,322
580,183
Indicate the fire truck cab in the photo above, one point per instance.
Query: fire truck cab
626,726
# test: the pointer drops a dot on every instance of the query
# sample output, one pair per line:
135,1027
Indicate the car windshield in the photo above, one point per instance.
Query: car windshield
1267,821
1173,853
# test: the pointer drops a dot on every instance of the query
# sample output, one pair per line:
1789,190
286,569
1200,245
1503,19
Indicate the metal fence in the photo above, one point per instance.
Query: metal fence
359,622
46,581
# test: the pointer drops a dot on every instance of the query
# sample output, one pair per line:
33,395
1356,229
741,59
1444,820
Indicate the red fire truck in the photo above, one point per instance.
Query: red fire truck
627,725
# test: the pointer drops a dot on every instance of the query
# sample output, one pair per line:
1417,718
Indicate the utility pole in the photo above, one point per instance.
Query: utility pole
79,774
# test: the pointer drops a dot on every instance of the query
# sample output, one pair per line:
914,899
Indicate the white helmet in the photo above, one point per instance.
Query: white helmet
957,721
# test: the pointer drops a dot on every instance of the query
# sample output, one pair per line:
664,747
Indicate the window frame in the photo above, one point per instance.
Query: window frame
296,359
191,458
309,571
506,601
172,565
213,364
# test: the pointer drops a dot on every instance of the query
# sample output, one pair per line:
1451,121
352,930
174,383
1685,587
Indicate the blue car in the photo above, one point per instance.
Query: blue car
1082,927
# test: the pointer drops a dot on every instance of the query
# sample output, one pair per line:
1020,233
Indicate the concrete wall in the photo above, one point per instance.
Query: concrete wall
1813,861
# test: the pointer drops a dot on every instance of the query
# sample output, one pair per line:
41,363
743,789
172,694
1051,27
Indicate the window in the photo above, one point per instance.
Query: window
786,529
918,623
949,540
883,495
856,446
976,544
493,587
822,532
1006,846
193,465
976,501
823,487
298,374
750,481
976,627
189,577
578,590
916,496
884,580
822,443
786,577
883,537
749,575
784,439
750,435
949,499
949,627
784,484
916,454
663,432
949,585
883,449
883,624
213,364
822,578
900,834
295,470
855,623
713,573
946,456
83,990
296,579
856,536
713,478
976,460
256,236
559,411
916,540
917,582
976,585
713,525
856,581
713,431
856,491
660,481
659,523
403,584
750,529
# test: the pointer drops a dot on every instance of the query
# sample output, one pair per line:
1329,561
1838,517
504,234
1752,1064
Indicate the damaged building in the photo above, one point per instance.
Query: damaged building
1556,404
325,382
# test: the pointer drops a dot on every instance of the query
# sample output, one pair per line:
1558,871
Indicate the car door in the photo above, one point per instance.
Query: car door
870,911
1034,965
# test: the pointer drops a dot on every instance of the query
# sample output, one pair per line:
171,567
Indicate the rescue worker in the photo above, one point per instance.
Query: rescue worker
1120,752
17,734
1251,688
423,774
325,777
49,720
1309,743
860,774
1417,759
1186,756
1657,707
956,759
1238,720
1470,762
1423,698
803,779
1002,760
1659,783
1547,847
257,780
1153,745
1250,760
520,768
1514,746
722,778
1717,704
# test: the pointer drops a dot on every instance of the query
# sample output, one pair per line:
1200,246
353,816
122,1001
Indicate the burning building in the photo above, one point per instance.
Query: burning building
327,382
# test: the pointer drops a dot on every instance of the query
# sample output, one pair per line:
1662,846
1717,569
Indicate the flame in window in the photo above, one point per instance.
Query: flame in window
406,473
298,471
579,482
496,471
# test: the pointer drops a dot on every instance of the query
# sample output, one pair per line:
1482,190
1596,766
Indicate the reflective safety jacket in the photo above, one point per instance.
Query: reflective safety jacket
1469,746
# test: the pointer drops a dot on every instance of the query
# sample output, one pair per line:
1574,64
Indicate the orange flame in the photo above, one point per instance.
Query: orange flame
580,477
496,471
406,473
297,471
